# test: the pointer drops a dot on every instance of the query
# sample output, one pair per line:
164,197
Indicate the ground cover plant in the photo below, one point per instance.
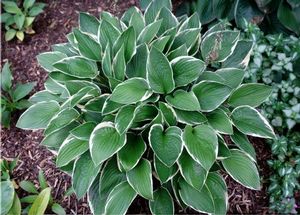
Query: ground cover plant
37,201
12,98
273,16
18,17
149,94
276,62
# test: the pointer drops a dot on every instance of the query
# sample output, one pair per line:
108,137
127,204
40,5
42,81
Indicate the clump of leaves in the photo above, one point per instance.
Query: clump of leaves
18,19
272,16
276,62
37,201
12,98
136,106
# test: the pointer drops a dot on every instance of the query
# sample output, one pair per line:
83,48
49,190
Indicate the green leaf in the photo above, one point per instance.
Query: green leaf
219,120
11,7
131,91
159,72
28,4
250,122
6,77
201,143
149,32
42,180
137,20
218,189
168,20
252,94
16,206
83,131
22,90
200,201
162,202
132,152
58,209
243,143
7,191
126,39
119,65
164,172
137,66
232,77
161,42
187,37
219,45
124,118
19,20
120,199
168,113
88,47
289,17
61,119
108,34
105,141
183,100
211,94
84,173
70,150
192,172
154,8
44,96
29,199
40,205
47,59
36,9
38,115
78,67
56,138
20,35
28,186
29,21
240,167
140,178
186,69
106,63
110,178
190,117
240,56
88,23
180,51
10,34
166,144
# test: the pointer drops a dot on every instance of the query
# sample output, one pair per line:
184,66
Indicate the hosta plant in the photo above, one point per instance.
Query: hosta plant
37,201
135,107
12,97
18,17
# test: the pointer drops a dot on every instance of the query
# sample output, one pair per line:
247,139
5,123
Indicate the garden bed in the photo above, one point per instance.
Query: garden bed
51,28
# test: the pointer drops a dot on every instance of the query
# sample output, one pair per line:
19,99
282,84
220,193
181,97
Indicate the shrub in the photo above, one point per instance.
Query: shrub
276,62
18,20
12,98
137,104
38,200
272,16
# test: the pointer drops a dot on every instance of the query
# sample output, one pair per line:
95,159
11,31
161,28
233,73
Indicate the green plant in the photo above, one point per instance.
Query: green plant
38,200
12,98
126,95
18,19
276,62
272,16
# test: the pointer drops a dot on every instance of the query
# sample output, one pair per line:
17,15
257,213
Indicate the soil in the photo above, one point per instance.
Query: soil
51,27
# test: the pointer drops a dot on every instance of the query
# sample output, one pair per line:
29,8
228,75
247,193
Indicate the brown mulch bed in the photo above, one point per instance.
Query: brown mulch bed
51,27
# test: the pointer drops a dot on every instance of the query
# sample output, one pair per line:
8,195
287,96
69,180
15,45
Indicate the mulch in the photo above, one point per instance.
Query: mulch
51,27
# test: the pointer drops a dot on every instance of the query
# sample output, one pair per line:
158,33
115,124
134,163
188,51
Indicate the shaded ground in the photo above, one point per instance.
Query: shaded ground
51,27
